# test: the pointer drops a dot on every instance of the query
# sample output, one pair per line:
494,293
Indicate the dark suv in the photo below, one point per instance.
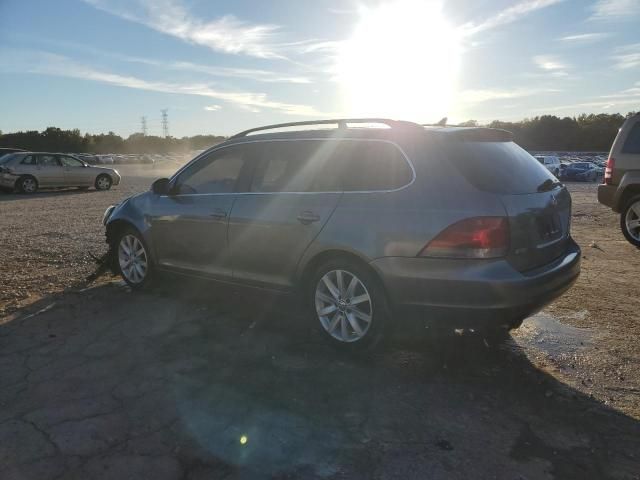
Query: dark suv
366,225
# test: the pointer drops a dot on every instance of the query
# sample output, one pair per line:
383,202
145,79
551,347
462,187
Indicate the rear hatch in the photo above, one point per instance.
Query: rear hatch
537,205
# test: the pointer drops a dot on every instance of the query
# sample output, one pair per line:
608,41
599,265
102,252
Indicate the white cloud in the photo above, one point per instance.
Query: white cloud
509,15
212,108
226,34
551,65
585,37
51,64
627,56
485,95
615,9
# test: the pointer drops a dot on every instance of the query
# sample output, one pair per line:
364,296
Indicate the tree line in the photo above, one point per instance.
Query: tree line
586,132
54,139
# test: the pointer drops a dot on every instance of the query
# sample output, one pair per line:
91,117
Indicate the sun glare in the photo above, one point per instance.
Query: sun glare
401,62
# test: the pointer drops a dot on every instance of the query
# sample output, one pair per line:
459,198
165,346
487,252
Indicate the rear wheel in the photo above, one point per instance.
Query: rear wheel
630,221
27,184
349,305
133,260
103,182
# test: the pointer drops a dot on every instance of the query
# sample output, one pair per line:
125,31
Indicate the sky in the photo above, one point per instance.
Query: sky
219,67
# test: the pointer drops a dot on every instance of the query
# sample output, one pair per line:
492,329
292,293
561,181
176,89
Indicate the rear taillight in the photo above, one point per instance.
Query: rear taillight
478,237
608,171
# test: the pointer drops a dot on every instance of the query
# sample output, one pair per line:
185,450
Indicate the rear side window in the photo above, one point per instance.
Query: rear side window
498,167
330,166
632,143
371,165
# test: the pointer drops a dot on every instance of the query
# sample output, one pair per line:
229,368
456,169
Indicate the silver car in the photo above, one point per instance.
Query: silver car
368,227
29,171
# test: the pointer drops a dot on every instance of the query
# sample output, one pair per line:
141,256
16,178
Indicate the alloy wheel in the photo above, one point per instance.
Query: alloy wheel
132,258
632,221
103,183
28,185
343,305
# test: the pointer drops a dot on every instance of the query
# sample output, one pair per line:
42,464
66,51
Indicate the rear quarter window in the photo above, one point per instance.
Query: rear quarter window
498,167
632,142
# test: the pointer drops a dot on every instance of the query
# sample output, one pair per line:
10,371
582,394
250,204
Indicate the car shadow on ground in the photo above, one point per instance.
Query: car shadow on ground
192,380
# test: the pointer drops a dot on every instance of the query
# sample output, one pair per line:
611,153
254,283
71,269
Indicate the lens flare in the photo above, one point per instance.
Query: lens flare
401,62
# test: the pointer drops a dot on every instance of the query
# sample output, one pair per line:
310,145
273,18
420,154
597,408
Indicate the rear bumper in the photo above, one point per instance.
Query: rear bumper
465,293
607,195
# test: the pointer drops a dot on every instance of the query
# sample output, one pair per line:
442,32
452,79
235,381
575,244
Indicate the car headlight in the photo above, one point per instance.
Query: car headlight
107,214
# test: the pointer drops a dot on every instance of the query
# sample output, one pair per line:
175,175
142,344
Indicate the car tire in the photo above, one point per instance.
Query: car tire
349,306
27,184
631,216
132,259
103,182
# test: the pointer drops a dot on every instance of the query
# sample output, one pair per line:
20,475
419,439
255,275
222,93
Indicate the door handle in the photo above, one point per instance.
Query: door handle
218,213
308,217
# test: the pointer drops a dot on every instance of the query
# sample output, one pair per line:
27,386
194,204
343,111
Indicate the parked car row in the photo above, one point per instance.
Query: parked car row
574,168
133,159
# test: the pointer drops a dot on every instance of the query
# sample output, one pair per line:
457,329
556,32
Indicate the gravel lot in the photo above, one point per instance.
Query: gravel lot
193,381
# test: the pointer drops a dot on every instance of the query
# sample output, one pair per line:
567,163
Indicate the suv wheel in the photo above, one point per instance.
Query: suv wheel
349,304
28,184
630,221
132,259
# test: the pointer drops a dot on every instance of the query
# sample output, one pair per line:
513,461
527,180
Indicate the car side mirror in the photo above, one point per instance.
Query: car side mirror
160,186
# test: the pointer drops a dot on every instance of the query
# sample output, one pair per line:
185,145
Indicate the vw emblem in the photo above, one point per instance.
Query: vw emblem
554,200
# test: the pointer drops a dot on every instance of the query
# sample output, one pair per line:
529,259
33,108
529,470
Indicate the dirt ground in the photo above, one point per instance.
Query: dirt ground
192,381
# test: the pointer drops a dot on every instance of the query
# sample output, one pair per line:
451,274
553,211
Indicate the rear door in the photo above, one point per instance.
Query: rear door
537,205
272,225
49,172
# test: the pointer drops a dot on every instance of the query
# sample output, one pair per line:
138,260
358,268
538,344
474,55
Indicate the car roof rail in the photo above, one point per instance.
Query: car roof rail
340,122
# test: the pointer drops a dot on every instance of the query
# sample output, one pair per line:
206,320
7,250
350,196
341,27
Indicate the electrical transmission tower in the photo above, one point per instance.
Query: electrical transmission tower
144,126
165,123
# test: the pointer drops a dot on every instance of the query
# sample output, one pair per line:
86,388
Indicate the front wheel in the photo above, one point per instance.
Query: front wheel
349,305
630,221
133,260
103,182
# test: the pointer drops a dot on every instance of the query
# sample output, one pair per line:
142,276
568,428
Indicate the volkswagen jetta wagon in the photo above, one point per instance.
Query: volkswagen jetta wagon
366,223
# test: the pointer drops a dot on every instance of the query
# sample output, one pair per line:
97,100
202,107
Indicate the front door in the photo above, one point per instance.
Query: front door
189,225
76,174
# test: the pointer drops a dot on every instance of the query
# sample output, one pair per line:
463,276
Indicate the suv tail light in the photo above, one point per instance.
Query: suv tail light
478,237
608,171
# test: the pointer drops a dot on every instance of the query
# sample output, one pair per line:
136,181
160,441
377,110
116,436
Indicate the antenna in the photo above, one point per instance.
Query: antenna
165,122
143,121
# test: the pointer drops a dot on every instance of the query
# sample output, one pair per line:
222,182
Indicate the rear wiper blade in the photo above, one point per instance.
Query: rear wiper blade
549,184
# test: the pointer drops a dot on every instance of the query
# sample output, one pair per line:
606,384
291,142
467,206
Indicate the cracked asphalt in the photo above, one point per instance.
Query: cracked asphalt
193,381
196,381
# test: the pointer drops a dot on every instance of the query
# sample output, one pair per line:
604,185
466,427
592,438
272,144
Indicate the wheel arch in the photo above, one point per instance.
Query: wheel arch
627,194
312,264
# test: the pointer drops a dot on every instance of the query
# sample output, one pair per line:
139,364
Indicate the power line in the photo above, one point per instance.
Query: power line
165,123
144,126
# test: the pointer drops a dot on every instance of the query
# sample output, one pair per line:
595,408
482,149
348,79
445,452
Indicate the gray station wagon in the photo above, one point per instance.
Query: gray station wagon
29,171
367,223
